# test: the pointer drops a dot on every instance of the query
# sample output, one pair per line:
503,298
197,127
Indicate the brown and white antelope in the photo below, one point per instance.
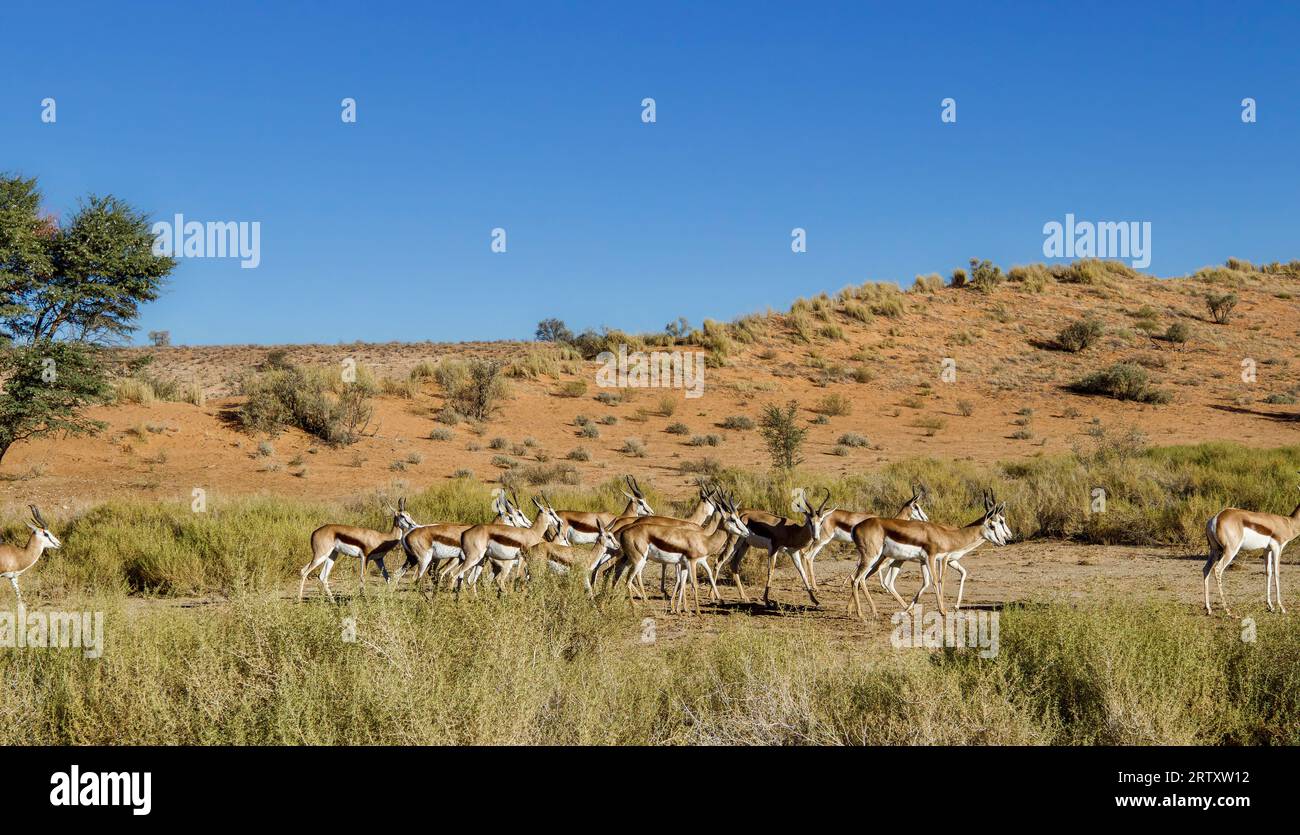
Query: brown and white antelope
502,546
777,534
1232,530
559,554
839,526
14,560
880,540
440,543
705,508
682,544
352,541
582,523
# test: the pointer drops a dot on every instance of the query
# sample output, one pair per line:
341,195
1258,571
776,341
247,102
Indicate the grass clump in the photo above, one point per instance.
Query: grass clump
1122,381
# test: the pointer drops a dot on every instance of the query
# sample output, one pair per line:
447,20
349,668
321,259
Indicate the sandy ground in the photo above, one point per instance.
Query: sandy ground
1027,572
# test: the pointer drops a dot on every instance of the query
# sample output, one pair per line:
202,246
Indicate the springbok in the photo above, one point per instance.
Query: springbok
352,541
839,527
559,554
704,510
503,545
775,534
14,560
582,523
1232,530
440,543
879,540
679,543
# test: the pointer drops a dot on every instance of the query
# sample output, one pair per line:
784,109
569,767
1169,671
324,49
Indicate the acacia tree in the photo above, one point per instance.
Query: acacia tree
66,292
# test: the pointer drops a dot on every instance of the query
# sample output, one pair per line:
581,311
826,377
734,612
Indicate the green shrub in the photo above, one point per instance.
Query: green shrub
314,401
1122,381
1080,335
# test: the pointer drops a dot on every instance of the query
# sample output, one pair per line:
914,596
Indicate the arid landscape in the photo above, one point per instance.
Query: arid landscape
1169,398
1008,398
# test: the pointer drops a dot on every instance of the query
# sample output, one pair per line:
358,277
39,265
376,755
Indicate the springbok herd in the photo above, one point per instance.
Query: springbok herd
717,529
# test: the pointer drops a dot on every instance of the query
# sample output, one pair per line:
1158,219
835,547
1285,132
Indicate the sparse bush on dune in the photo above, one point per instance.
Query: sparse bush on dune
314,400
1093,271
1032,277
985,276
1080,335
1178,333
1220,306
535,362
1122,381
834,405
927,283
473,388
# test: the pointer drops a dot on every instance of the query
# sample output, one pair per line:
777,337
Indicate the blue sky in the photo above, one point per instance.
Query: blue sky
526,116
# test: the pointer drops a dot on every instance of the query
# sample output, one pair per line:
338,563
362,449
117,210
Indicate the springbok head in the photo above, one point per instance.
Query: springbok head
552,518
402,519
731,516
637,497
41,531
814,518
993,526
913,510
605,539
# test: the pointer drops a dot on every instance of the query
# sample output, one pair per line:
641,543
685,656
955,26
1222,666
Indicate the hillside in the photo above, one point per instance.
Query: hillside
881,351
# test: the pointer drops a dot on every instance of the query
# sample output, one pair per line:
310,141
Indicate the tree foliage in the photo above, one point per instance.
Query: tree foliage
66,290
82,281
46,388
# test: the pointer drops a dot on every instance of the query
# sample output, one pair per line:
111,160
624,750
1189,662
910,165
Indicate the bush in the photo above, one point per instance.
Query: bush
927,283
318,403
783,434
633,447
705,440
553,330
1220,306
678,428
985,276
473,388
738,422
852,439
1122,381
572,388
1034,277
834,405
578,454
1080,335
536,362
1178,333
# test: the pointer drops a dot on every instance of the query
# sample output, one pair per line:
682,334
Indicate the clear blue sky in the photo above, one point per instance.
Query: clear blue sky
527,116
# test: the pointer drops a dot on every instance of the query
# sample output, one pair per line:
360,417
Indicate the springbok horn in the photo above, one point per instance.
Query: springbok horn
821,506
36,516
